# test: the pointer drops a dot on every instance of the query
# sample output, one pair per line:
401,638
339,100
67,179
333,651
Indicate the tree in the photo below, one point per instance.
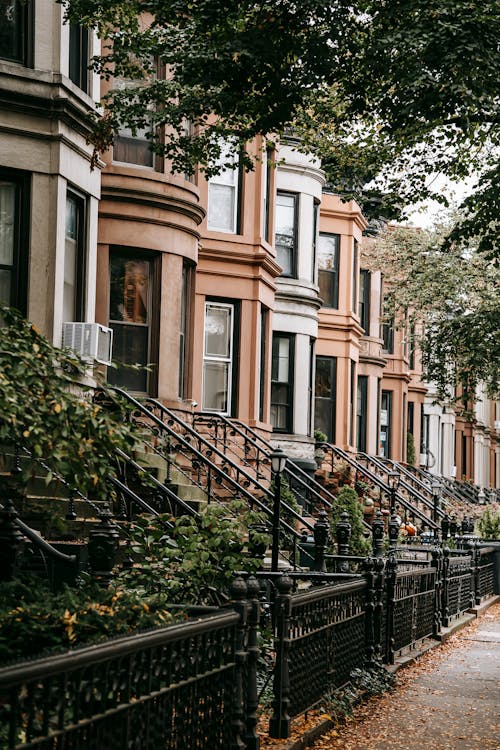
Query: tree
388,93
451,298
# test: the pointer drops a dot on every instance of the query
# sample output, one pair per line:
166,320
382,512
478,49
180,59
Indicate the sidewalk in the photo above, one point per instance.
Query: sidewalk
448,700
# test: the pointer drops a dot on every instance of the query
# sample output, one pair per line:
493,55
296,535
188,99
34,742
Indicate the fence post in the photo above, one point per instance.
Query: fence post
102,547
238,595
476,561
379,608
279,724
378,531
391,568
369,570
252,738
437,559
321,533
445,611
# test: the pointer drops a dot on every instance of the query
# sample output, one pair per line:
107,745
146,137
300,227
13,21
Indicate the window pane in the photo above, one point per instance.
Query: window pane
12,15
281,359
328,246
130,280
79,56
5,282
217,331
327,282
221,207
130,346
215,386
7,222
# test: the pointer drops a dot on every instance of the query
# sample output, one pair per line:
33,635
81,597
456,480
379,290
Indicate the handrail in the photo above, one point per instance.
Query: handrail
240,488
419,496
291,471
40,542
378,481
216,469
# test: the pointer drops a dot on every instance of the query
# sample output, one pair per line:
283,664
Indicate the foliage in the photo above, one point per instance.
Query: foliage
387,94
46,407
411,454
196,561
33,620
320,437
363,685
347,501
448,304
489,524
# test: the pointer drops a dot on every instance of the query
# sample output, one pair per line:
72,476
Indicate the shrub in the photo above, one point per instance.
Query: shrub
489,525
347,501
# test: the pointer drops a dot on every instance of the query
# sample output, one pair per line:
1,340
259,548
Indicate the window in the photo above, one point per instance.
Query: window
263,359
267,167
361,406
79,56
131,278
218,357
325,396
352,403
388,333
354,274
385,423
412,343
132,146
364,300
14,195
314,240
328,269
74,259
286,233
14,30
183,327
282,382
223,193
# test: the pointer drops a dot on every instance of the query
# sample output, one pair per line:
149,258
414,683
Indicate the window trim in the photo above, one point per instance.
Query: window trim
232,382
290,382
153,294
332,399
237,185
81,253
20,265
294,250
364,300
80,75
361,413
27,26
332,304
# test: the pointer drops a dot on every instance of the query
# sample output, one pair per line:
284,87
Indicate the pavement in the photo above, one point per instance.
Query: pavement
447,699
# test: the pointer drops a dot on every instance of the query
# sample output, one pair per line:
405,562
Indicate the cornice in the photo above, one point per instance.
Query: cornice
150,199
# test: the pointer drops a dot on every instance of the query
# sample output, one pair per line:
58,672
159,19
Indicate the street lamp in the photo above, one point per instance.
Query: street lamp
393,479
436,495
481,497
278,462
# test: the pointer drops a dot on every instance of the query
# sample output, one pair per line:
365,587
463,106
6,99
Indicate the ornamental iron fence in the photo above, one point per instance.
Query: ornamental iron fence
194,684
186,685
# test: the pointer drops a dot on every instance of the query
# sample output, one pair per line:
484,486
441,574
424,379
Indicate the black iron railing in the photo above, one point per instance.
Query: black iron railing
179,686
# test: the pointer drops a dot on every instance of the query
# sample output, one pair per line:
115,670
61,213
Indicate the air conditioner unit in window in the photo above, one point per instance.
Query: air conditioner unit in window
91,341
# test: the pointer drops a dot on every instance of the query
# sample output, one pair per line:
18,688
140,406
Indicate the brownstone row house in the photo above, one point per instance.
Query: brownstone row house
246,292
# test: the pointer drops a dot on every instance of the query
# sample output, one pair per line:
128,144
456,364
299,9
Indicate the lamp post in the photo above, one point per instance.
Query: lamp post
436,496
481,497
278,461
393,479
